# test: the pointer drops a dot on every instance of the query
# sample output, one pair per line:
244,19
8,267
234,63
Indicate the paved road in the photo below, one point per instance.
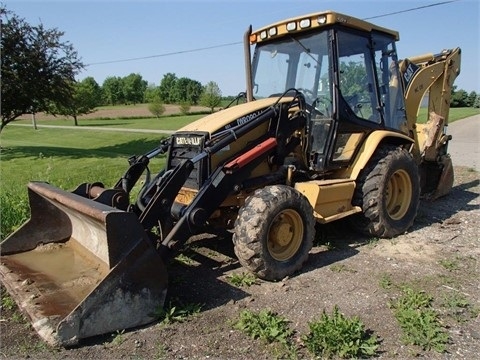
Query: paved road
465,145
98,128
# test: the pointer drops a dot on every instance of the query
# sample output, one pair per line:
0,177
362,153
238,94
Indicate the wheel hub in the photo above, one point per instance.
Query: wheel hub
285,235
399,194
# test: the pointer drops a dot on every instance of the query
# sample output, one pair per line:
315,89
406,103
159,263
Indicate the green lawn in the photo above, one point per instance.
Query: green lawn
65,159
454,114
162,123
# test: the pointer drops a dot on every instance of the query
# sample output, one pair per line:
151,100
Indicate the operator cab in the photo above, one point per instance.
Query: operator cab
346,69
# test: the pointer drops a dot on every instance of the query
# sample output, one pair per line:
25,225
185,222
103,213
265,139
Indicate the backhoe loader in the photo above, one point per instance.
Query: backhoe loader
327,129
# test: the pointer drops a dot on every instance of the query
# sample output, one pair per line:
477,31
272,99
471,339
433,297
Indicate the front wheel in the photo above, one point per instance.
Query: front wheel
274,232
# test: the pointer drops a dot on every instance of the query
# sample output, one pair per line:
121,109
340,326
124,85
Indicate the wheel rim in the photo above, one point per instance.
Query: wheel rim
399,194
285,235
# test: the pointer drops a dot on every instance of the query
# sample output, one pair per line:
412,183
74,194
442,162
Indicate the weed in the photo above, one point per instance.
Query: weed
265,325
341,268
7,302
330,246
372,242
161,351
118,337
386,281
450,264
337,335
184,259
179,313
458,307
243,279
419,321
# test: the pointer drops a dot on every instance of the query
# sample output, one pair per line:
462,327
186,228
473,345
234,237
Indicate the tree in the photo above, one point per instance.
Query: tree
471,99
459,99
186,90
134,88
151,93
86,96
113,90
211,96
166,88
37,67
476,103
194,91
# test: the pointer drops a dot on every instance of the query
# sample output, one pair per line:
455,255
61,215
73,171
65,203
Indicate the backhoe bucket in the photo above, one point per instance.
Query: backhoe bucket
79,268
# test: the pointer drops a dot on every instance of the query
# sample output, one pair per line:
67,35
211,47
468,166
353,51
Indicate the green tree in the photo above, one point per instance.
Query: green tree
156,107
37,67
134,88
86,96
471,99
459,99
353,78
476,103
186,90
211,96
166,88
151,93
112,88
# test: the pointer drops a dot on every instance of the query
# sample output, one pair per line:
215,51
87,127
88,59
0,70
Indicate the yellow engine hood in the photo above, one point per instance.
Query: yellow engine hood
232,116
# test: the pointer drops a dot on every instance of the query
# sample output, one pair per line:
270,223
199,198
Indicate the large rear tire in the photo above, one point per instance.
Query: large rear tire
274,232
388,191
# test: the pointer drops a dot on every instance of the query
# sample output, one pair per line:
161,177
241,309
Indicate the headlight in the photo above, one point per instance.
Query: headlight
291,26
322,19
304,23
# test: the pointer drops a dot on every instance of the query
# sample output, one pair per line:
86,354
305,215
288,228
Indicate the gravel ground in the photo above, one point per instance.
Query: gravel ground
361,276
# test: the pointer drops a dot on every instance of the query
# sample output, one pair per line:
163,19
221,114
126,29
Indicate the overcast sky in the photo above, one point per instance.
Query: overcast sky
164,33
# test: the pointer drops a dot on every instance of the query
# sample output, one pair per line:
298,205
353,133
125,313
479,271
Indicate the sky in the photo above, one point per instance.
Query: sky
203,39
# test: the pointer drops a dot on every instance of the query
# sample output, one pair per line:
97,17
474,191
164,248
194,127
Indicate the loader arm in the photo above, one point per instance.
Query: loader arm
159,209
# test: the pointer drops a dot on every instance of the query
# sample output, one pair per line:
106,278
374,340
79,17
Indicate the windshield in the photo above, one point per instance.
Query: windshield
299,62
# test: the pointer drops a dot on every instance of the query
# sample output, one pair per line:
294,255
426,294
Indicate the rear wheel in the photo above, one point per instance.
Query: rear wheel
388,192
274,232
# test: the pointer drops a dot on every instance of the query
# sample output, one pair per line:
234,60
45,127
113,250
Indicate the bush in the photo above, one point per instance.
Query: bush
184,108
156,108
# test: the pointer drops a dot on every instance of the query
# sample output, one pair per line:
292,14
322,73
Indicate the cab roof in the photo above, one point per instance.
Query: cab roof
315,20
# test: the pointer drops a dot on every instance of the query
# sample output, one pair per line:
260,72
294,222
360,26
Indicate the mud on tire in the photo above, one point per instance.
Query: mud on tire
388,191
274,232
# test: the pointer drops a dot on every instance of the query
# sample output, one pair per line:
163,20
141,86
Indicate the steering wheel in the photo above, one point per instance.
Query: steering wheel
316,105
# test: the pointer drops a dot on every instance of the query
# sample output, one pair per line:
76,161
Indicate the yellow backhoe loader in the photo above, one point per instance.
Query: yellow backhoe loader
326,129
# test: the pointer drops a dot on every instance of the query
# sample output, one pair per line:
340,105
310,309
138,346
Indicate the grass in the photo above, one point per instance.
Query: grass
65,159
454,114
162,123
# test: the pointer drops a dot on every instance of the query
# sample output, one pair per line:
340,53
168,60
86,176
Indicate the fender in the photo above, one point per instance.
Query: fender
369,146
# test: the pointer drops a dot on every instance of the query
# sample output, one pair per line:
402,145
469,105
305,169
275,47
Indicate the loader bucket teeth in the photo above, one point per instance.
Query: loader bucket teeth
79,268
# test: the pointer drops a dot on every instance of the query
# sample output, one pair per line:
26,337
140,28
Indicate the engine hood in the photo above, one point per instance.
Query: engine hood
227,118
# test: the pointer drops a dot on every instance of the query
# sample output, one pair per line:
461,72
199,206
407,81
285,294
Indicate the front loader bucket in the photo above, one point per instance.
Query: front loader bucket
79,268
